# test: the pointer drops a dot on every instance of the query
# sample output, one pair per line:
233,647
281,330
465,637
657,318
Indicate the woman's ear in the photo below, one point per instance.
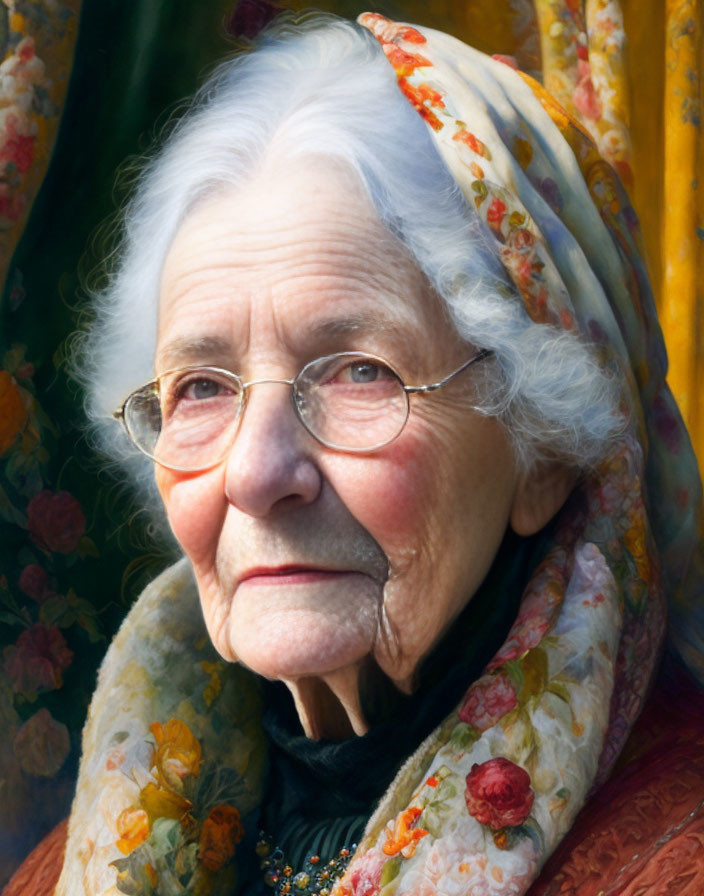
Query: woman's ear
541,492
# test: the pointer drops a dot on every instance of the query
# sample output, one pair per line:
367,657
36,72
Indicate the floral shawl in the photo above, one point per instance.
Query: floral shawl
173,754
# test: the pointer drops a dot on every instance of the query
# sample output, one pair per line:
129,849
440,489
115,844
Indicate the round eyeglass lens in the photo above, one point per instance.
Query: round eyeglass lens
143,418
351,401
189,422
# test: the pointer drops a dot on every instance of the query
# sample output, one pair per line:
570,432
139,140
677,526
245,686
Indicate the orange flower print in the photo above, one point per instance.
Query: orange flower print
13,414
405,835
220,833
412,35
474,143
495,214
418,96
133,828
430,95
178,753
404,63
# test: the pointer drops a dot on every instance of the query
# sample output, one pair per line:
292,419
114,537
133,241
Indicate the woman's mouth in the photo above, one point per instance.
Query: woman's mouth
292,575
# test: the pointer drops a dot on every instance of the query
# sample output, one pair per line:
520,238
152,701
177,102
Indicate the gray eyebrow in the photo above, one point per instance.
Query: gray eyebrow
355,324
183,350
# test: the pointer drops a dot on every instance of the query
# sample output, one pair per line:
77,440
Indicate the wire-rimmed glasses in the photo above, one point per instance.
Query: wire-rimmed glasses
187,418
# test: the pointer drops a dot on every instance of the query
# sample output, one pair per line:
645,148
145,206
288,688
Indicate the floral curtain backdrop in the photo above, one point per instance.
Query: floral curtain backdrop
84,87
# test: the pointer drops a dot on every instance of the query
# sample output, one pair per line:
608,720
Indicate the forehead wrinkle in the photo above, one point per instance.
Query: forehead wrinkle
325,254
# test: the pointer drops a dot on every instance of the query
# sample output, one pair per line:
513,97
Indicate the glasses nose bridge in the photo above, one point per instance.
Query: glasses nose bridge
263,381
267,379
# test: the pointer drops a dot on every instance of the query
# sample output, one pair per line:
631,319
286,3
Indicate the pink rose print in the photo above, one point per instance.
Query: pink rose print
366,875
33,581
499,794
487,701
585,96
41,745
56,521
524,636
18,149
36,661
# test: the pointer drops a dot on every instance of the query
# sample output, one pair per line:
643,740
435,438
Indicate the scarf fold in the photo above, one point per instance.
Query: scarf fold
173,764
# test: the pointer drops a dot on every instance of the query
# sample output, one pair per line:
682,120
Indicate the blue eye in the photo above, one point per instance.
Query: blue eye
198,387
364,372
202,389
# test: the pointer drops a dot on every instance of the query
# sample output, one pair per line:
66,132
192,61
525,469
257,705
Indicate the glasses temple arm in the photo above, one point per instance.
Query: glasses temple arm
432,387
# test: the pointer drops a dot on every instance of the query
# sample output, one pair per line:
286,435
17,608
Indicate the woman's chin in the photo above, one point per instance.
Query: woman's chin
289,633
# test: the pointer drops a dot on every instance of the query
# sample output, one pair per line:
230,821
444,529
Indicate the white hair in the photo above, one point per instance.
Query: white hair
322,85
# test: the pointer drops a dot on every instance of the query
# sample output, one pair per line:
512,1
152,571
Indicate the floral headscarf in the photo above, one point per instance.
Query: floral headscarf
486,798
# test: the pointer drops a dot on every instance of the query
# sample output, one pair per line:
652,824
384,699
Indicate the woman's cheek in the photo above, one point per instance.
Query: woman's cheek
387,495
195,508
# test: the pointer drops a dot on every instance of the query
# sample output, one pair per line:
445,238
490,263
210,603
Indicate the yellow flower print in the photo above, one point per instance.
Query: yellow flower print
133,828
403,836
159,802
177,754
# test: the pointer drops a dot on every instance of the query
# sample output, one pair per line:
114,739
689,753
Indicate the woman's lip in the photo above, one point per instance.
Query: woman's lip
293,575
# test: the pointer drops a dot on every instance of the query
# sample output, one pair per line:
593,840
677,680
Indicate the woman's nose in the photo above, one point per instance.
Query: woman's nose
271,465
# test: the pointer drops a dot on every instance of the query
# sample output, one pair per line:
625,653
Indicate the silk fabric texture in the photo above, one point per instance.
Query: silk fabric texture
484,801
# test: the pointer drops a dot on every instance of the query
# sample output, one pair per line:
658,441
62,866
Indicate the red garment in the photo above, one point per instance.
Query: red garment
642,834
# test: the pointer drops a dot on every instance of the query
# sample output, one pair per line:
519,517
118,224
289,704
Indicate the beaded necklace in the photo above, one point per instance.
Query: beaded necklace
315,878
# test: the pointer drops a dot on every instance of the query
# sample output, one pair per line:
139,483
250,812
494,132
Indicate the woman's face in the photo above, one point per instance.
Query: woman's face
309,561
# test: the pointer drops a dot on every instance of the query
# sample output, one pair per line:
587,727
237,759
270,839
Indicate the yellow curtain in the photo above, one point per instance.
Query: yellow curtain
638,91
681,287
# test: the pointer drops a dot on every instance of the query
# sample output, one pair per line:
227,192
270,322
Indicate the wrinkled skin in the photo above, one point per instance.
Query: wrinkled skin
312,563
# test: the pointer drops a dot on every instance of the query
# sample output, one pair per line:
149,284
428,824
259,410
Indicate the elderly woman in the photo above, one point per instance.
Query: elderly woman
380,332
